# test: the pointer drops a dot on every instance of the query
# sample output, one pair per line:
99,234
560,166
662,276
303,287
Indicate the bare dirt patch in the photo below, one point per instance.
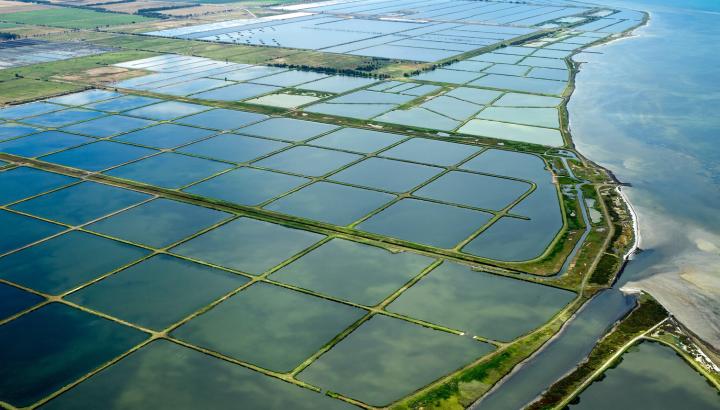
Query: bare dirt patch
102,75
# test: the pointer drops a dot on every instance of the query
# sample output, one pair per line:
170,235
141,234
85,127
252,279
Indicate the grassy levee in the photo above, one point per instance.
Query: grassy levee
639,321
585,261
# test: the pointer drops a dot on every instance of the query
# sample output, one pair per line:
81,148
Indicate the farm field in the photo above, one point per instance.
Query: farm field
71,18
8,6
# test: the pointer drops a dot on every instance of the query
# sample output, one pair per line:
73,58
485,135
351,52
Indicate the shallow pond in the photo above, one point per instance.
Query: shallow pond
242,244
386,174
190,379
353,271
233,148
426,222
301,325
513,132
81,203
59,264
66,343
480,303
372,363
247,186
157,292
357,140
158,223
332,203
169,170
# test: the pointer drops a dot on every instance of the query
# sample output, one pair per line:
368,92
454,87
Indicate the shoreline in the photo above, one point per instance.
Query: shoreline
627,256
575,68
695,340
637,234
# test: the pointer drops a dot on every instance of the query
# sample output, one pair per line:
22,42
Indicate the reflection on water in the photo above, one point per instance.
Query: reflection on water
646,109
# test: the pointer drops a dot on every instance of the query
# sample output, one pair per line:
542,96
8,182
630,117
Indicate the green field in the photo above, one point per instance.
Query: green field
26,89
71,18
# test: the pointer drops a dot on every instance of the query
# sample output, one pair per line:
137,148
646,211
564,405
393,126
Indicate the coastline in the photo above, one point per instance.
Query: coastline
706,356
628,255
651,285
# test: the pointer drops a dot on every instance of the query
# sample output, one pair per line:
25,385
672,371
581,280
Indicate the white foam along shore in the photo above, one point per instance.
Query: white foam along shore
636,226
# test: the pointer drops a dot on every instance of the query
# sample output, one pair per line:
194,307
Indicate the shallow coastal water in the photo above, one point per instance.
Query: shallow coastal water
646,108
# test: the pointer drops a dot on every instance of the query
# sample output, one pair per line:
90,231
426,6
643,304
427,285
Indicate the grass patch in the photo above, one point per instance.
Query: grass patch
339,62
620,218
553,261
25,30
27,89
72,66
250,54
605,271
594,244
72,18
36,81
